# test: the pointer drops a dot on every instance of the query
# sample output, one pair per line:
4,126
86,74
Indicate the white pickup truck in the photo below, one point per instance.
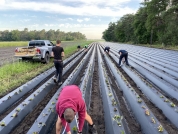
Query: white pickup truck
36,50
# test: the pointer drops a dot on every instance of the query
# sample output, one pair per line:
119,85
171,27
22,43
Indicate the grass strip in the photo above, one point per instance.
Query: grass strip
17,73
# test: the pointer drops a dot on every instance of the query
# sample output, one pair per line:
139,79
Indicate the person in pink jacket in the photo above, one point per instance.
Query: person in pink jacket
69,103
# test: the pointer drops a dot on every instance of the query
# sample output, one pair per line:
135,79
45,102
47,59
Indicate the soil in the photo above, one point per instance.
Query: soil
28,121
7,55
156,111
131,122
96,106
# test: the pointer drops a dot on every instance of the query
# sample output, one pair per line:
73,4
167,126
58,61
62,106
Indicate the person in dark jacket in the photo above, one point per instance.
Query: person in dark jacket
70,102
123,54
78,47
58,53
106,49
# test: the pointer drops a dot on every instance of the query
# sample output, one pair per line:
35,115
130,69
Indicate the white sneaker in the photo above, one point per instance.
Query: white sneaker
60,83
54,78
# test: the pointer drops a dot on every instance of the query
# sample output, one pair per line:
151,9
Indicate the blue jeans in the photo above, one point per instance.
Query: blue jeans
59,68
125,55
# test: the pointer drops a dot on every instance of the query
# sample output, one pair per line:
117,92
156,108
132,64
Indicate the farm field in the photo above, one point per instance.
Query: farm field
7,49
138,99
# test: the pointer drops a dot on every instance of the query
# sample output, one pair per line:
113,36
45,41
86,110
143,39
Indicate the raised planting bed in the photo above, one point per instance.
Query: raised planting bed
13,118
10,99
113,119
169,109
145,117
48,115
165,88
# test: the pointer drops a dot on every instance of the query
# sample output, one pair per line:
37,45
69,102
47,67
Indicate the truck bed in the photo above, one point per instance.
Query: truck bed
25,52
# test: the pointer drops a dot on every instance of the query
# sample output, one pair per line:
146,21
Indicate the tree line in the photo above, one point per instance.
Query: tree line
156,21
26,35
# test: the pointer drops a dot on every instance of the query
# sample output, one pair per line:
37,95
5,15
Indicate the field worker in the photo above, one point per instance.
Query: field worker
123,54
58,53
86,46
69,103
78,47
106,49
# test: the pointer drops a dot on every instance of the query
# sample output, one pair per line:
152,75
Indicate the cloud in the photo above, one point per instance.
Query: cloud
24,20
34,26
79,20
87,19
88,8
70,19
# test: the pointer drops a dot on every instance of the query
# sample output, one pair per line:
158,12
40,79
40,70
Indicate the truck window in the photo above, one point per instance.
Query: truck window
37,43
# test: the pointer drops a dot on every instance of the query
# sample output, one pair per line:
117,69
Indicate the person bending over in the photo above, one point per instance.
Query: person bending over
69,103
123,54
106,49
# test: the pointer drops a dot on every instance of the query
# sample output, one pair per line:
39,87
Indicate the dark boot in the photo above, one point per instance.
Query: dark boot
92,129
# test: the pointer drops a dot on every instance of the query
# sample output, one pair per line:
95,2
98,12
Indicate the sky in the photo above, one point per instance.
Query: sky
90,17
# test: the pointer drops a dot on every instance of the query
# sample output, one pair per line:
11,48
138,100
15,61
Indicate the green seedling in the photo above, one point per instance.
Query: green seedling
2,124
16,93
166,100
18,109
24,104
138,96
38,91
118,119
119,124
20,90
34,95
14,115
139,101
143,107
35,132
161,96
110,94
172,104
9,97
53,103
114,103
122,132
153,120
115,109
160,128
30,99
74,129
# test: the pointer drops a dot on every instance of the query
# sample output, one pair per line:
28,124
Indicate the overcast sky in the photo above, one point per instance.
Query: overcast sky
90,17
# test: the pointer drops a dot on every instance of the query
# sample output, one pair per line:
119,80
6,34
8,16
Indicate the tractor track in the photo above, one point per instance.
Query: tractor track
28,121
156,111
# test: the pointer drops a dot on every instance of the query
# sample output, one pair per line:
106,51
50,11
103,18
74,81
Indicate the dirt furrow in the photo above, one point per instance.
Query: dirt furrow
96,106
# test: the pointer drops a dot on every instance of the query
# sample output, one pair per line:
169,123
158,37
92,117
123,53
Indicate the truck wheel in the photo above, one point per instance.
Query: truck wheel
46,58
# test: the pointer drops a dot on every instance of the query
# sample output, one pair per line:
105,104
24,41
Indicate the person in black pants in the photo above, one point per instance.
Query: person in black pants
106,49
123,54
58,53
78,47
